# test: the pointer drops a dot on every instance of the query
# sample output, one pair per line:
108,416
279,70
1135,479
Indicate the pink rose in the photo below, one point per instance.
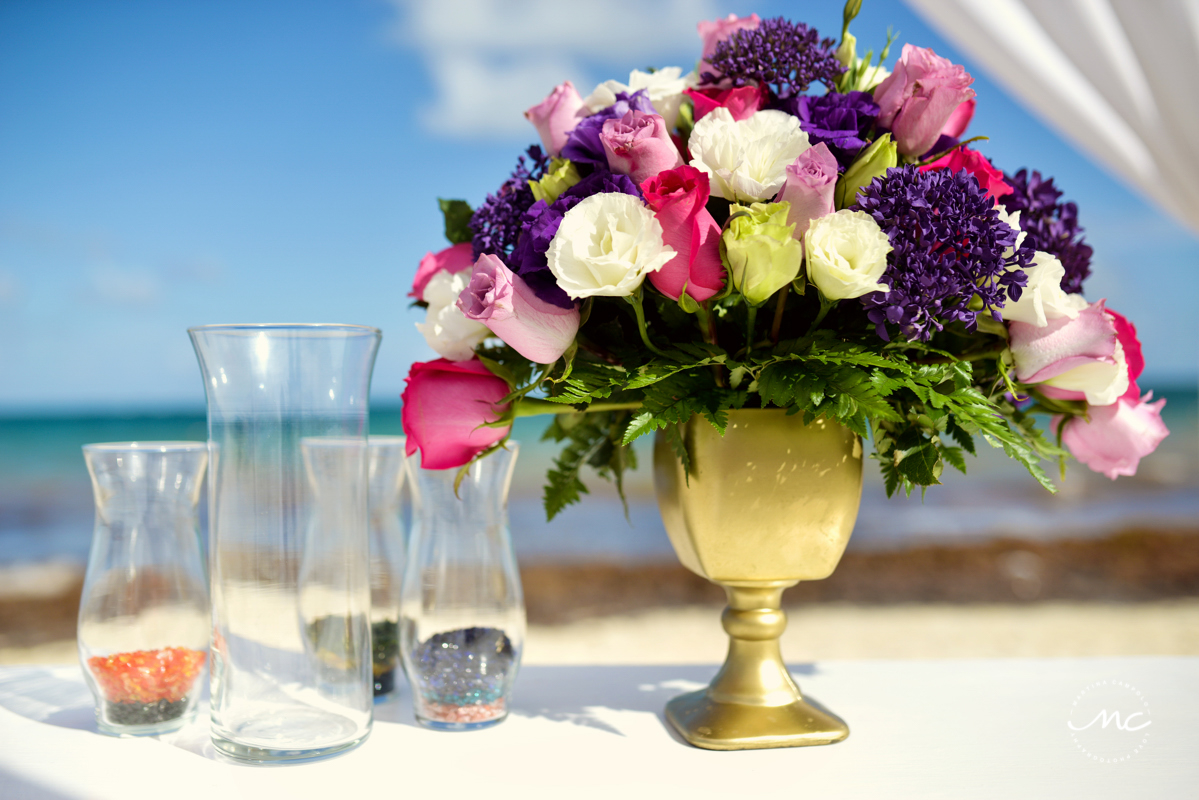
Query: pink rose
452,259
1126,334
959,120
716,31
1073,359
556,116
638,145
741,102
811,182
501,300
445,405
989,179
1117,436
919,96
677,197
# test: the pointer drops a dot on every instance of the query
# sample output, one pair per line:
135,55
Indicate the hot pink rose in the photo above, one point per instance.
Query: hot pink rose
716,31
974,162
811,182
445,403
959,120
556,116
1117,436
1126,334
1073,359
452,259
741,102
638,145
501,300
919,96
678,197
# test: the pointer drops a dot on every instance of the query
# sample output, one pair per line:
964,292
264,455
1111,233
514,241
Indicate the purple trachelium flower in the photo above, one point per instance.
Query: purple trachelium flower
1051,226
496,223
583,145
948,245
786,56
541,222
841,121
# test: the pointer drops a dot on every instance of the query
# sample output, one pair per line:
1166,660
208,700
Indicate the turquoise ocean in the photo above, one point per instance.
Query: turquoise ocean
46,510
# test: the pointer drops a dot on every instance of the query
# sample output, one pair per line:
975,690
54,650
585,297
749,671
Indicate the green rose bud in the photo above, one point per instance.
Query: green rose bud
847,53
759,250
561,176
874,161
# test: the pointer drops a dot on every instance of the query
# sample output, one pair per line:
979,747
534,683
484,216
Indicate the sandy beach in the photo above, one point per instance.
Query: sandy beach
1132,594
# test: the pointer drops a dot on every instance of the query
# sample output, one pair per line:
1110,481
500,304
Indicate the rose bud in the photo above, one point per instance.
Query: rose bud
638,145
919,97
678,198
445,405
556,116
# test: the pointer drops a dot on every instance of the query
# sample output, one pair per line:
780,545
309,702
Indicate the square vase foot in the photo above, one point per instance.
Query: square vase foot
705,723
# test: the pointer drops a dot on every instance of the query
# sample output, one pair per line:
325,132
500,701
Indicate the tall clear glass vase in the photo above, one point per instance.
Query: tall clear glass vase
462,614
143,616
288,545
386,475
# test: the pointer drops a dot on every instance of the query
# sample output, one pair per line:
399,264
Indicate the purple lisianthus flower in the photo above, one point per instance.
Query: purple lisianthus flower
786,56
496,224
948,245
583,145
841,121
540,224
1052,227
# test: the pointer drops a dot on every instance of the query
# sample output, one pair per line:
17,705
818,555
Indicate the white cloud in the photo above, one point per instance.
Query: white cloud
125,287
490,60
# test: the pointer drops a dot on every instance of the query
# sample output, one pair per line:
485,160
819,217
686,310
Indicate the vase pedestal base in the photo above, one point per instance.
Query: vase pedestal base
706,723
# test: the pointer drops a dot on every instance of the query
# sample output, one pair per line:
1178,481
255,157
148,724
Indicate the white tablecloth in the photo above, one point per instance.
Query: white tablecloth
919,729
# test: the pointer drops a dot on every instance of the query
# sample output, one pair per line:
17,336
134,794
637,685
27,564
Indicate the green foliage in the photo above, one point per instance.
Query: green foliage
457,220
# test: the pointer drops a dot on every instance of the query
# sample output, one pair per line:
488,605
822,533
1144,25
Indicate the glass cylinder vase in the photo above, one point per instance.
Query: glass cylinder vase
143,615
462,614
289,555
385,469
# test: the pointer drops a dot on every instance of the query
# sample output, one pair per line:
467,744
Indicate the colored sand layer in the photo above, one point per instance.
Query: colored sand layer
463,675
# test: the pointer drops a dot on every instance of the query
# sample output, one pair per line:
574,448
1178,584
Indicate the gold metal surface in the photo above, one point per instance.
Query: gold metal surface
771,503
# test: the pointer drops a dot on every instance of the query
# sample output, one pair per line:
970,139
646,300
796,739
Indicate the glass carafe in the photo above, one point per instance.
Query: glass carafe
289,555
462,615
385,469
144,616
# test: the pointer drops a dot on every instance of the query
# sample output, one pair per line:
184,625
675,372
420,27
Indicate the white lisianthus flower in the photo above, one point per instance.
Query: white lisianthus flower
1013,221
446,328
664,88
1043,298
606,245
746,161
847,254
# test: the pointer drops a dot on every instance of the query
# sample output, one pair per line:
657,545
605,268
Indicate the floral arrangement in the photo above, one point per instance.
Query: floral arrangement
789,225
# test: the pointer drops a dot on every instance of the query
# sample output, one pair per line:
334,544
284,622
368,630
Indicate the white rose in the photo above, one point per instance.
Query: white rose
606,245
446,328
747,160
663,87
847,254
1043,298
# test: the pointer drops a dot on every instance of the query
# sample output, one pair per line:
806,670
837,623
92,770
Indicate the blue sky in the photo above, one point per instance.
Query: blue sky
172,164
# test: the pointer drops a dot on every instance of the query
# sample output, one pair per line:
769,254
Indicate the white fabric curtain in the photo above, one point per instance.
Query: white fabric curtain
1118,78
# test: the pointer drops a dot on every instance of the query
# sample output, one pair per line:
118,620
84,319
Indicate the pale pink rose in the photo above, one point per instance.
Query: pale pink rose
1117,436
811,182
501,300
714,32
452,259
678,197
919,96
446,404
1072,358
959,120
639,145
556,116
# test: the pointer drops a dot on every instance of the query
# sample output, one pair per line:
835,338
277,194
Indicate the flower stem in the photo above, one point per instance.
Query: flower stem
778,314
535,406
825,307
635,300
707,328
751,317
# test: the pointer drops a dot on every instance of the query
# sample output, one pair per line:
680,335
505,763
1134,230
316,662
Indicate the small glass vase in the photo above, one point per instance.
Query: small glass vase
385,475
462,614
144,613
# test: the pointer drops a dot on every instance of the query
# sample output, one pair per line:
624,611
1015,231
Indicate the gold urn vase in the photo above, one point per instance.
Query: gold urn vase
769,504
